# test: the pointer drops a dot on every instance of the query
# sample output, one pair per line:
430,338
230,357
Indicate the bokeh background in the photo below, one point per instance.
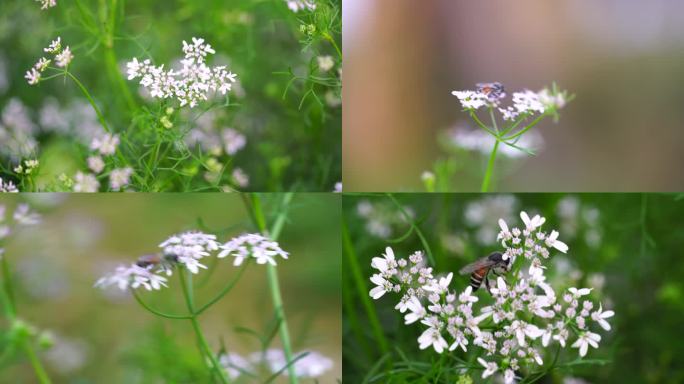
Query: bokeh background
626,246
106,337
622,59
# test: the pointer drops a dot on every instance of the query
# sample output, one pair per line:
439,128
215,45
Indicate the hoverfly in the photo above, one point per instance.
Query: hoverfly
493,91
479,269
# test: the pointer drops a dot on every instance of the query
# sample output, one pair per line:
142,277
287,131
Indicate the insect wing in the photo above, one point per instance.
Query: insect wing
484,262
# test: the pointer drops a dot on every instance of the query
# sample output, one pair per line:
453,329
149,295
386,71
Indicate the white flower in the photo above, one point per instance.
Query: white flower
95,163
528,102
119,178
600,317
63,58
55,46
440,286
105,145
133,277
577,293
550,100
325,63
417,311
233,141
45,4
490,367
32,76
509,376
263,249
85,182
432,337
240,178
24,216
552,241
189,245
467,297
382,286
386,262
311,365
459,341
189,85
338,187
471,99
533,223
522,329
586,339
300,5
42,64
8,187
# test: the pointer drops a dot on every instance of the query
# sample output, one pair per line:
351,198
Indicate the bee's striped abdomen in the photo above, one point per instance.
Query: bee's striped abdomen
477,277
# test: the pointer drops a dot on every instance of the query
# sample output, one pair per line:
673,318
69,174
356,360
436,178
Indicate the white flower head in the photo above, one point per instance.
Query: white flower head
490,367
7,186
432,337
254,245
32,76
85,182
106,144
600,317
119,178
45,4
585,340
24,216
95,163
301,5
55,46
189,85
325,63
133,276
63,58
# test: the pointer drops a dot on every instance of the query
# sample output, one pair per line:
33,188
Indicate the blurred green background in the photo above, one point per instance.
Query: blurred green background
622,59
105,337
626,246
289,145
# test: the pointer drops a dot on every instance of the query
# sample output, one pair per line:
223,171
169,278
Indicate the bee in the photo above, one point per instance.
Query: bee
154,259
493,91
479,269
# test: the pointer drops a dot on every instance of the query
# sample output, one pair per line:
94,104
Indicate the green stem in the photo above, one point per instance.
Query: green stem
8,291
522,131
272,274
42,375
205,349
224,291
156,312
100,116
490,168
334,44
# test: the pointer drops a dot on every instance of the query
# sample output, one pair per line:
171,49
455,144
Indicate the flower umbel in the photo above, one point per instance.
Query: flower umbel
263,249
189,85
511,332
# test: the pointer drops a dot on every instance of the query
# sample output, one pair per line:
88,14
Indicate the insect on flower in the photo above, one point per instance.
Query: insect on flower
479,270
493,91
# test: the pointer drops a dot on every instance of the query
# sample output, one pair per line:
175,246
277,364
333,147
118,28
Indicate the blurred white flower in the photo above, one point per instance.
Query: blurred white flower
95,163
240,178
300,5
24,216
7,186
490,367
233,141
263,249
338,187
312,365
325,63
45,4
235,365
85,182
106,144
480,141
132,276
63,58
119,178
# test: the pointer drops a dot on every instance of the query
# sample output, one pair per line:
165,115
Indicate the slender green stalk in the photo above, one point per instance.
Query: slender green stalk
108,21
100,116
42,375
224,291
8,291
157,312
272,274
334,44
362,290
205,349
490,168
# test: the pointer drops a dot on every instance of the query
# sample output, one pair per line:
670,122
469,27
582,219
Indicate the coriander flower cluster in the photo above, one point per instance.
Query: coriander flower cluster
45,4
312,365
189,85
188,249
61,56
512,329
102,146
524,104
8,186
301,5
